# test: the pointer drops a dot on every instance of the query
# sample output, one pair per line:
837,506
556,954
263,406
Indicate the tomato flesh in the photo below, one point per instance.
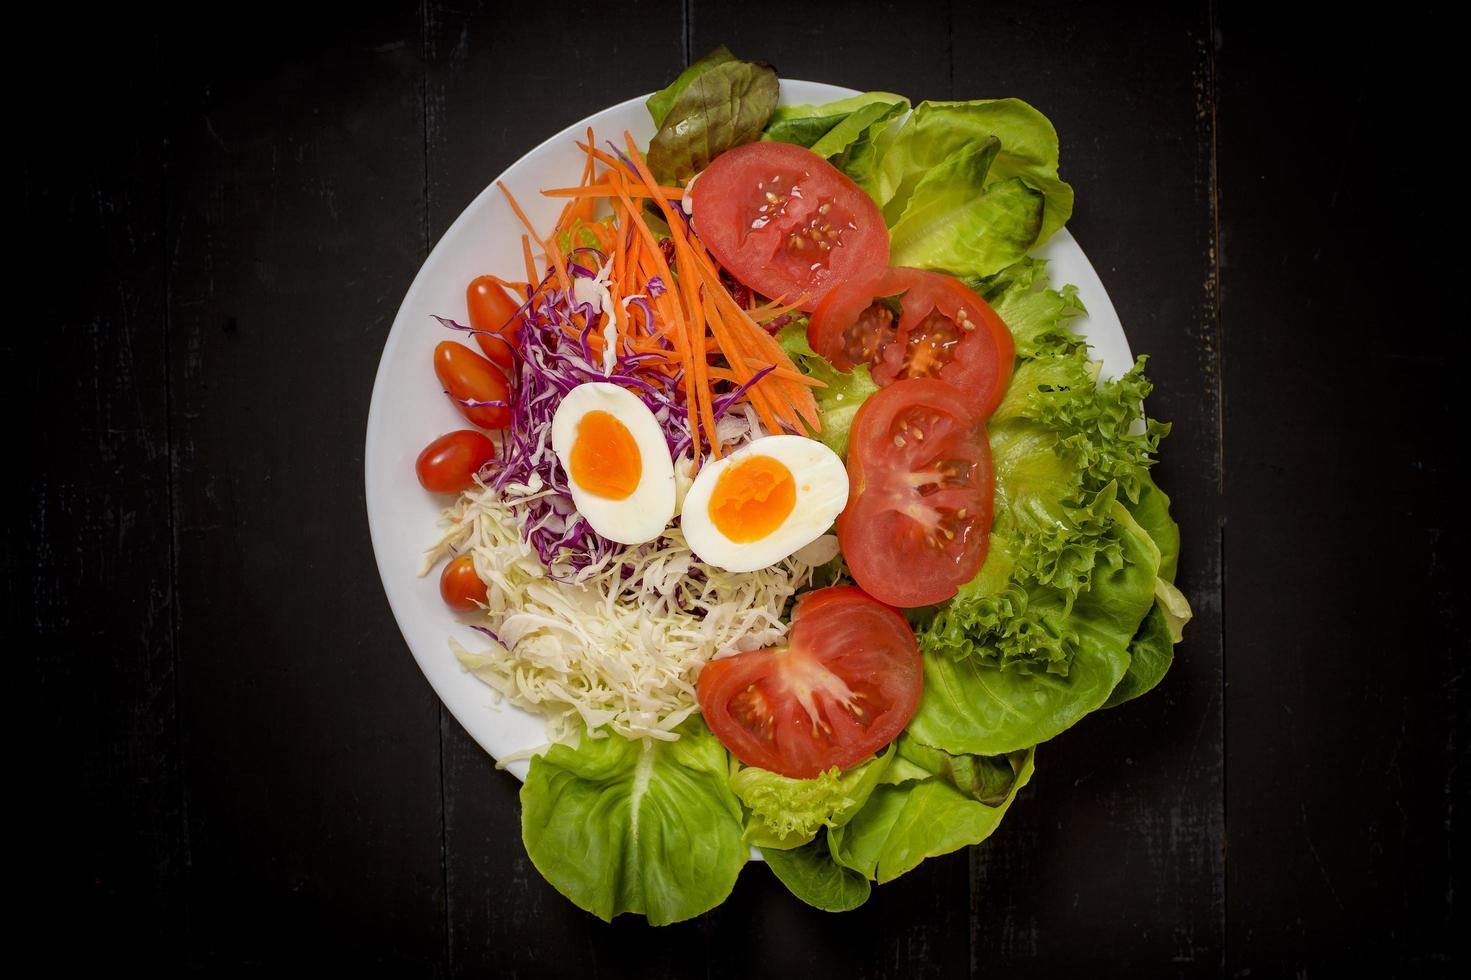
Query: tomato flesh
475,385
493,313
460,586
843,687
787,223
449,463
945,330
918,519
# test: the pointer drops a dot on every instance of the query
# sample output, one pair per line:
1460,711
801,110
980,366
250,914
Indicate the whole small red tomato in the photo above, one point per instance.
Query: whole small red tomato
460,587
449,463
475,385
493,310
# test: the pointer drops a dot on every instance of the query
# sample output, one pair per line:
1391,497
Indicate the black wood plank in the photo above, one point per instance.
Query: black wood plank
98,833
492,94
1112,862
311,741
1347,634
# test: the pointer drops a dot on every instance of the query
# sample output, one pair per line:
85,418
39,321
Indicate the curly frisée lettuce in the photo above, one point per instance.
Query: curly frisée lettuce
1073,584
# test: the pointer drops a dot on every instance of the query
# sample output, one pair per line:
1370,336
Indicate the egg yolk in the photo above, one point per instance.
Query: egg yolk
605,459
752,498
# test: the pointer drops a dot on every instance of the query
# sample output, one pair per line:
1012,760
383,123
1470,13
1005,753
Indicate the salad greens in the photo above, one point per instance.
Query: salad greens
1075,608
716,103
931,803
646,826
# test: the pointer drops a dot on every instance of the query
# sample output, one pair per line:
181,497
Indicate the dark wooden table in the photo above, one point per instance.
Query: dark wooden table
227,757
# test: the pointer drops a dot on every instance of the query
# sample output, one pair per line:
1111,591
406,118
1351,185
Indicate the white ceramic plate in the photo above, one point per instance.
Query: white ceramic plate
408,410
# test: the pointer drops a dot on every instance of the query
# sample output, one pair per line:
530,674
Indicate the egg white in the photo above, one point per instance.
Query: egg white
644,514
821,494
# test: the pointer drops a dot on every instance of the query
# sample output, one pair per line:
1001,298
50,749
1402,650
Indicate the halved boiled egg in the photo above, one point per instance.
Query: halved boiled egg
763,502
616,460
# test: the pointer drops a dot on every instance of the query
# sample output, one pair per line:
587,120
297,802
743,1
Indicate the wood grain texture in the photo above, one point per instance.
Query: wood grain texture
311,742
232,763
1348,640
85,567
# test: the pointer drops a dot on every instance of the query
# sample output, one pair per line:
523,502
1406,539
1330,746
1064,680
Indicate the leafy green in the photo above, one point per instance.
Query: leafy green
846,391
787,812
973,705
647,827
725,104
1037,315
956,221
1151,653
811,874
663,100
923,809
937,131
846,132
1049,628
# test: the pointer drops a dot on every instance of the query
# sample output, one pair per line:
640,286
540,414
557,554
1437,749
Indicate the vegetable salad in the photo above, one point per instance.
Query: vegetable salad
791,502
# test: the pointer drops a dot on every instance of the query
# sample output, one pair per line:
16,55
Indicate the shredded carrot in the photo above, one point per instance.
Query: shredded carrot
531,275
607,190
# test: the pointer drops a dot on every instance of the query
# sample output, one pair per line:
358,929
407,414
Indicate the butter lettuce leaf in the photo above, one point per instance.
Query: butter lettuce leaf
936,131
931,803
811,873
636,826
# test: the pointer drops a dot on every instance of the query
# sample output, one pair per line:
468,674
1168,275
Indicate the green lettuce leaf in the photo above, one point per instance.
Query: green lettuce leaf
975,706
956,221
839,402
663,100
646,827
1037,315
787,813
811,874
1049,628
725,105
928,811
833,127
937,131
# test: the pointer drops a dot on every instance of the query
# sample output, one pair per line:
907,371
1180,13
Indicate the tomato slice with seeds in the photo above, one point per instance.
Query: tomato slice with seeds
787,223
918,519
944,330
843,687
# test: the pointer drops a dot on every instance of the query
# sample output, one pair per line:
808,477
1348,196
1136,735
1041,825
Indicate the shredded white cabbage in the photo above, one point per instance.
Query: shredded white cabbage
623,644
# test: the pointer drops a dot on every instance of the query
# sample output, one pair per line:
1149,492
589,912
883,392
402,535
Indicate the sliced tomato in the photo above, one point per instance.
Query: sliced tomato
843,687
945,330
918,519
787,223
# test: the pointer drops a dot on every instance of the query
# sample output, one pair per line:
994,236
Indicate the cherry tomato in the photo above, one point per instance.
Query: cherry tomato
468,377
918,519
460,586
493,309
449,463
945,331
786,222
843,687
